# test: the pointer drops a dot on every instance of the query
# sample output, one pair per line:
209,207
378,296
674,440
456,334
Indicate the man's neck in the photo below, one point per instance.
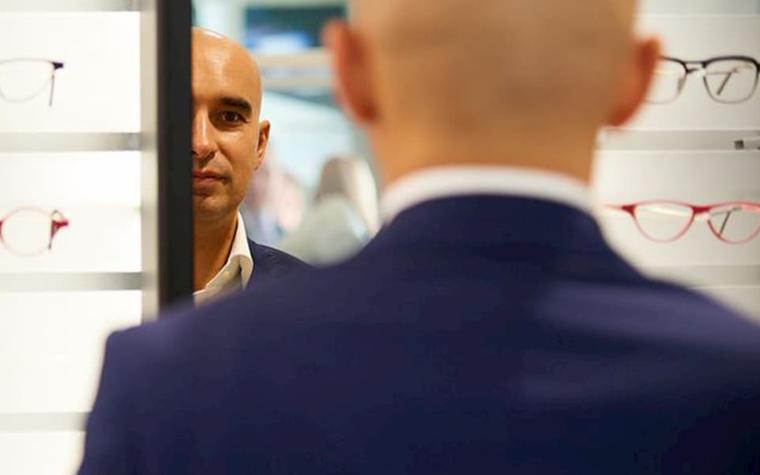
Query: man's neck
573,158
212,241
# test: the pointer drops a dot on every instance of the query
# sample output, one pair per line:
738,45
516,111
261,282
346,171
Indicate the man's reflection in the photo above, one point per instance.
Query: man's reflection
228,145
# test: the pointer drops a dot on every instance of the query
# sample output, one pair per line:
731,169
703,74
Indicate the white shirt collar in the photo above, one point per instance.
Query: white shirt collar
442,182
236,273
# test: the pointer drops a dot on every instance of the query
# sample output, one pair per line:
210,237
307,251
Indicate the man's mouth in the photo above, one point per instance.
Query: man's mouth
202,179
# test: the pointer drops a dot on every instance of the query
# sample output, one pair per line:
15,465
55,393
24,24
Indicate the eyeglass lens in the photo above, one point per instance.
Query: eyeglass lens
22,80
728,81
731,81
735,223
27,232
664,221
669,78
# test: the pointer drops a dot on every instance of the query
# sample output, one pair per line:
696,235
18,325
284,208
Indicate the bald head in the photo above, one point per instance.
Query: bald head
218,57
499,58
503,73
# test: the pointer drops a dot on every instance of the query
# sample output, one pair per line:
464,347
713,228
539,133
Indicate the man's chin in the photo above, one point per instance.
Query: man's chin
207,209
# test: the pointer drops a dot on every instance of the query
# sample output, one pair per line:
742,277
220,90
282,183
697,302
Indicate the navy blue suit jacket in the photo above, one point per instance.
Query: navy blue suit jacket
474,335
270,263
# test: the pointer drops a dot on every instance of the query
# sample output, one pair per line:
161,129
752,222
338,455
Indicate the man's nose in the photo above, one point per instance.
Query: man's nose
204,140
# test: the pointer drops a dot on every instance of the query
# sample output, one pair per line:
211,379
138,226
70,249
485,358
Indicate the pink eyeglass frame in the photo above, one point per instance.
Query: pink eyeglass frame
696,210
57,222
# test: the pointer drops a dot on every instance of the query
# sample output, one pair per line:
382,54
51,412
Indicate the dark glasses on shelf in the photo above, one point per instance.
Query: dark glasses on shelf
22,79
727,79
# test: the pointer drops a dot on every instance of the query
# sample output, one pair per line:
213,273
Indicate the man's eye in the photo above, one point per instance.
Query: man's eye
231,117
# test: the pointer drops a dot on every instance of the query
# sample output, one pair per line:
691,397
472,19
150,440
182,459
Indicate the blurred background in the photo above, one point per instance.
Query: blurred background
316,194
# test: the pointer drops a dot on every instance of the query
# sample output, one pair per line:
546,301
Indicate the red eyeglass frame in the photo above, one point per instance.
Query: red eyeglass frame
57,222
696,210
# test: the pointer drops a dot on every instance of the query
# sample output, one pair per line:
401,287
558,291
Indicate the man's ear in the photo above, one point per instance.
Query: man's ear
638,80
261,147
352,76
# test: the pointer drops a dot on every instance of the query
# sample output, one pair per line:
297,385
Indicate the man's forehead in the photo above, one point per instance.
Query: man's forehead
215,70
221,68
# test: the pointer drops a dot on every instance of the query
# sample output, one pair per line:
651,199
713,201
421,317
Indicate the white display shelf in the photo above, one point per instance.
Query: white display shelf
712,276
682,175
69,5
43,422
70,282
87,181
51,346
36,453
690,7
659,140
68,142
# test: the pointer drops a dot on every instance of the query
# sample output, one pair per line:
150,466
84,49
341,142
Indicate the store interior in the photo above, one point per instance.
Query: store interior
677,191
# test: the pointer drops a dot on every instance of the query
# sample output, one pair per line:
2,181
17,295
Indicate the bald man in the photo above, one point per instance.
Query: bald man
488,329
229,143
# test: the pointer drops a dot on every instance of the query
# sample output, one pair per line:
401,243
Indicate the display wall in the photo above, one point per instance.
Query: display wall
96,223
697,147
88,179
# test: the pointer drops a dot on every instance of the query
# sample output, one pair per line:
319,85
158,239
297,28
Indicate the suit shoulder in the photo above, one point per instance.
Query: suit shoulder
280,258
658,313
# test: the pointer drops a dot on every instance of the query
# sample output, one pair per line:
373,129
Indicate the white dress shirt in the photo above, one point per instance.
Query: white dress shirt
443,182
235,274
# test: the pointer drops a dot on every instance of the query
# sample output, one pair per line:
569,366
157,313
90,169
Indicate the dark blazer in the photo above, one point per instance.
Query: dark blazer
270,263
474,335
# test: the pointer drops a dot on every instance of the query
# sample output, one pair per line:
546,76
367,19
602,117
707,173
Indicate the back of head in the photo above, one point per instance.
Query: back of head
490,70
446,61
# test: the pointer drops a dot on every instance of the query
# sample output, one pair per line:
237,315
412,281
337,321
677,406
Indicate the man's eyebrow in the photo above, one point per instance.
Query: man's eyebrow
238,103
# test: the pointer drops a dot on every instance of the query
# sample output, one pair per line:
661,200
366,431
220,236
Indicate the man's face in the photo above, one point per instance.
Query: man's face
228,140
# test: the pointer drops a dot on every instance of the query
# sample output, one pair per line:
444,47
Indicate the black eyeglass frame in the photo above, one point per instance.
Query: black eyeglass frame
688,68
55,64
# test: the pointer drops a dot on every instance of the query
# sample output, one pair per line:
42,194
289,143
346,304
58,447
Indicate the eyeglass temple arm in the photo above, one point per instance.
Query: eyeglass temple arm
52,89
56,67
725,222
729,75
57,221
725,82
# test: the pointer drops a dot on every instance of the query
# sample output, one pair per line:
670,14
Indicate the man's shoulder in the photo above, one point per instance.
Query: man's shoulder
654,316
274,260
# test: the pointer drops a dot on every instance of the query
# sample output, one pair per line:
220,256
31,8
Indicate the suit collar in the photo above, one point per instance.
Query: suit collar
267,262
263,260
503,228
450,181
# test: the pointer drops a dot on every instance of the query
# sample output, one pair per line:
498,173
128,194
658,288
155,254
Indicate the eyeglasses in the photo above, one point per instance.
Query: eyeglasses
30,231
22,79
728,79
736,222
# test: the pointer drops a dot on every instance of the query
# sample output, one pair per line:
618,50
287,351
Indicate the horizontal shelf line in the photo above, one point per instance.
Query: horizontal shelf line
55,6
65,142
70,282
43,422
708,275
706,140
